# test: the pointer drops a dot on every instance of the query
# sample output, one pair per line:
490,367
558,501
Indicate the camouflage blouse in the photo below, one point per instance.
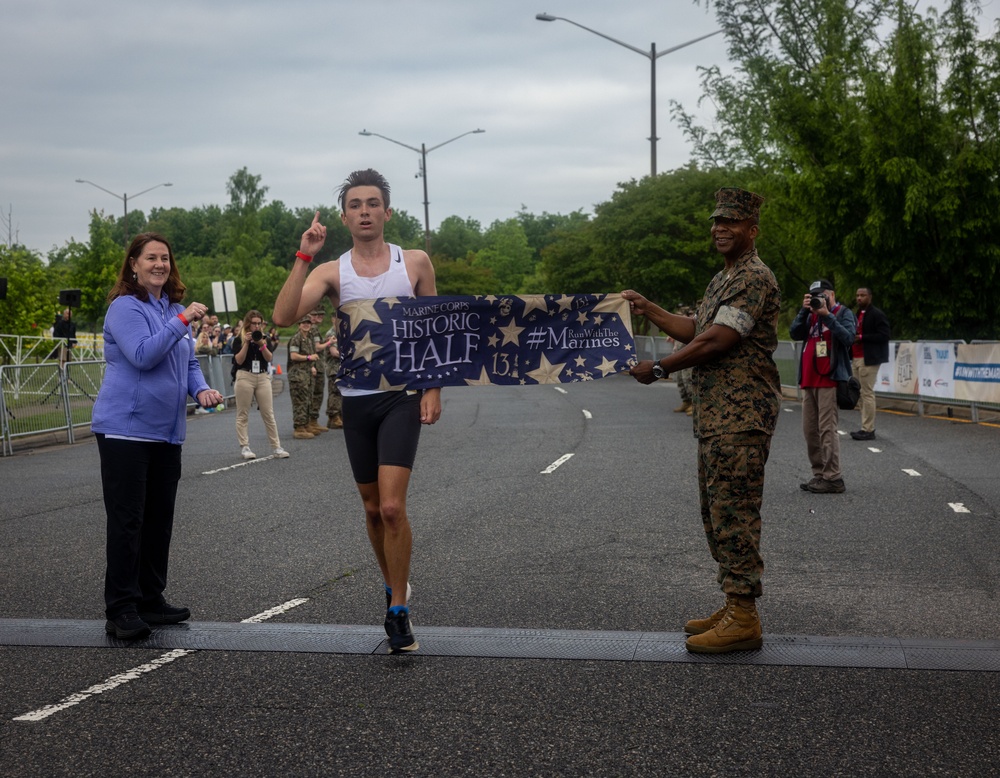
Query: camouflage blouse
740,391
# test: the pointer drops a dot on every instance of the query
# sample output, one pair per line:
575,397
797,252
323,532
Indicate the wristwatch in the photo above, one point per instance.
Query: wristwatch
658,371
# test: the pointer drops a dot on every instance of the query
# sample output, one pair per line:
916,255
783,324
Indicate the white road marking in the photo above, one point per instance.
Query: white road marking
238,464
137,672
551,468
911,472
560,389
958,507
587,414
875,450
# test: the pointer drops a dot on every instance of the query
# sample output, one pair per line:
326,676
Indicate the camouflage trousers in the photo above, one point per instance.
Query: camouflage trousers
334,402
316,400
731,482
683,379
300,389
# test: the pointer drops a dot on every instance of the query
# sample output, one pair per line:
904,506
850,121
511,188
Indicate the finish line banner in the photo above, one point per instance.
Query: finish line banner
396,343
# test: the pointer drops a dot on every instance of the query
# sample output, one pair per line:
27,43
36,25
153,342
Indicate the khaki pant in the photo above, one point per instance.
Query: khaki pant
248,387
866,374
820,417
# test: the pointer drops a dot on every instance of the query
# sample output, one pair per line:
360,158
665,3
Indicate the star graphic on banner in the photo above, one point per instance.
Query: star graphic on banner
546,373
598,321
391,301
565,302
610,304
511,333
607,367
360,310
493,319
385,386
580,361
581,319
490,299
483,380
364,348
492,340
533,302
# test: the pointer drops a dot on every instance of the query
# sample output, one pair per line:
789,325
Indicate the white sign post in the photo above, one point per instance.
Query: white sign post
224,296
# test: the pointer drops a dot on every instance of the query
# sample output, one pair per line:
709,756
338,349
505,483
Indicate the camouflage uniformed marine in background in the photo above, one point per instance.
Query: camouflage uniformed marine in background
331,363
736,393
302,370
319,379
683,377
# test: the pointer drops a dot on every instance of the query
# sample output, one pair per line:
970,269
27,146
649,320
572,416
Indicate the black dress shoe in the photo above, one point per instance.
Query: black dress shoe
127,626
164,614
862,435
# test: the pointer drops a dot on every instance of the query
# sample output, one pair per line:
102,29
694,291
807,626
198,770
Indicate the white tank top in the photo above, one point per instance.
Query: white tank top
394,282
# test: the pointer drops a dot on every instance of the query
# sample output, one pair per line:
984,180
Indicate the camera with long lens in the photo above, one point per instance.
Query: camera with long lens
256,336
817,299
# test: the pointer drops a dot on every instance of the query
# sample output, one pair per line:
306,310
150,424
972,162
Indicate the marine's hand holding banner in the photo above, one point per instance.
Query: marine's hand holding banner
425,342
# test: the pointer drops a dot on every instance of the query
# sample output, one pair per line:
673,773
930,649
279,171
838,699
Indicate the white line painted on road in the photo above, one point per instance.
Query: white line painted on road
238,464
911,472
137,672
587,414
551,468
270,613
875,450
958,507
560,390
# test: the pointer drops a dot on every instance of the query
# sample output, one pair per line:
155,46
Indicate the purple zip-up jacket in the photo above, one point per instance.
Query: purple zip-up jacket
151,369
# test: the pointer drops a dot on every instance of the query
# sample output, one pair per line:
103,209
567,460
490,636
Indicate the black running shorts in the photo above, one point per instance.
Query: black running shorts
381,429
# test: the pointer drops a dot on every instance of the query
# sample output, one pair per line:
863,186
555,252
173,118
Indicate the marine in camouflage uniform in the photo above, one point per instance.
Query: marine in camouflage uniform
300,376
331,363
736,393
319,380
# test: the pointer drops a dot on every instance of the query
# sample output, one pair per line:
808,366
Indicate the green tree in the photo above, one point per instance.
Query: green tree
456,238
31,302
95,267
880,155
507,255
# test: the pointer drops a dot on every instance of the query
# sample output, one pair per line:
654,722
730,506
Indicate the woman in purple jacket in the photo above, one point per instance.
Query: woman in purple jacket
140,422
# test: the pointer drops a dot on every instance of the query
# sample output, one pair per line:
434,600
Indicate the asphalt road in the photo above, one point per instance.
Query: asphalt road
610,540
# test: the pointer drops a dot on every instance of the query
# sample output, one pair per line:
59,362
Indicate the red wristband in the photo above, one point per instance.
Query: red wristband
181,317
303,257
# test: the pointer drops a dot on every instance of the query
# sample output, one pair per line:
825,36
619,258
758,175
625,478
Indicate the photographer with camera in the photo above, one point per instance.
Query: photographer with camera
253,381
827,329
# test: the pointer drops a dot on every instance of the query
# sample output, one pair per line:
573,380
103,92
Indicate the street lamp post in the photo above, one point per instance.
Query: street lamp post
652,55
423,151
122,197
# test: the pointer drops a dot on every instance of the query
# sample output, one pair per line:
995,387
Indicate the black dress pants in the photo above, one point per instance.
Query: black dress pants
140,486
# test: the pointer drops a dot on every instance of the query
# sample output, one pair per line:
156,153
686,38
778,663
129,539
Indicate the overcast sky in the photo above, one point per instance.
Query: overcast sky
132,94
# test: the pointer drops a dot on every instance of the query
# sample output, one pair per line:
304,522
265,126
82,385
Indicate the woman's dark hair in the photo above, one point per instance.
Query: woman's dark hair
126,284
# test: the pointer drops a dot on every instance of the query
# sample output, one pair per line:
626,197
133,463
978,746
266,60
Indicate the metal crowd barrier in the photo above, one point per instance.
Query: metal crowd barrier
46,398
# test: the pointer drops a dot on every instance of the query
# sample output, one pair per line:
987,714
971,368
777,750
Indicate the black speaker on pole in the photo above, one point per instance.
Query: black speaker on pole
3,288
70,297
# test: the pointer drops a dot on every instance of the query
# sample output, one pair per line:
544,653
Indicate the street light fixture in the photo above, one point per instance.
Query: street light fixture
122,197
423,151
652,55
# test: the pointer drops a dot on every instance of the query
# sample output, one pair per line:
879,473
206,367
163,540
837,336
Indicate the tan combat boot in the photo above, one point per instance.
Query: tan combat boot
697,626
336,422
316,428
683,407
302,433
737,630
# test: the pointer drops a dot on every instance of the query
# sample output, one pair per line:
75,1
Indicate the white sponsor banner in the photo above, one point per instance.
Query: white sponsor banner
905,368
977,372
936,369
885,380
